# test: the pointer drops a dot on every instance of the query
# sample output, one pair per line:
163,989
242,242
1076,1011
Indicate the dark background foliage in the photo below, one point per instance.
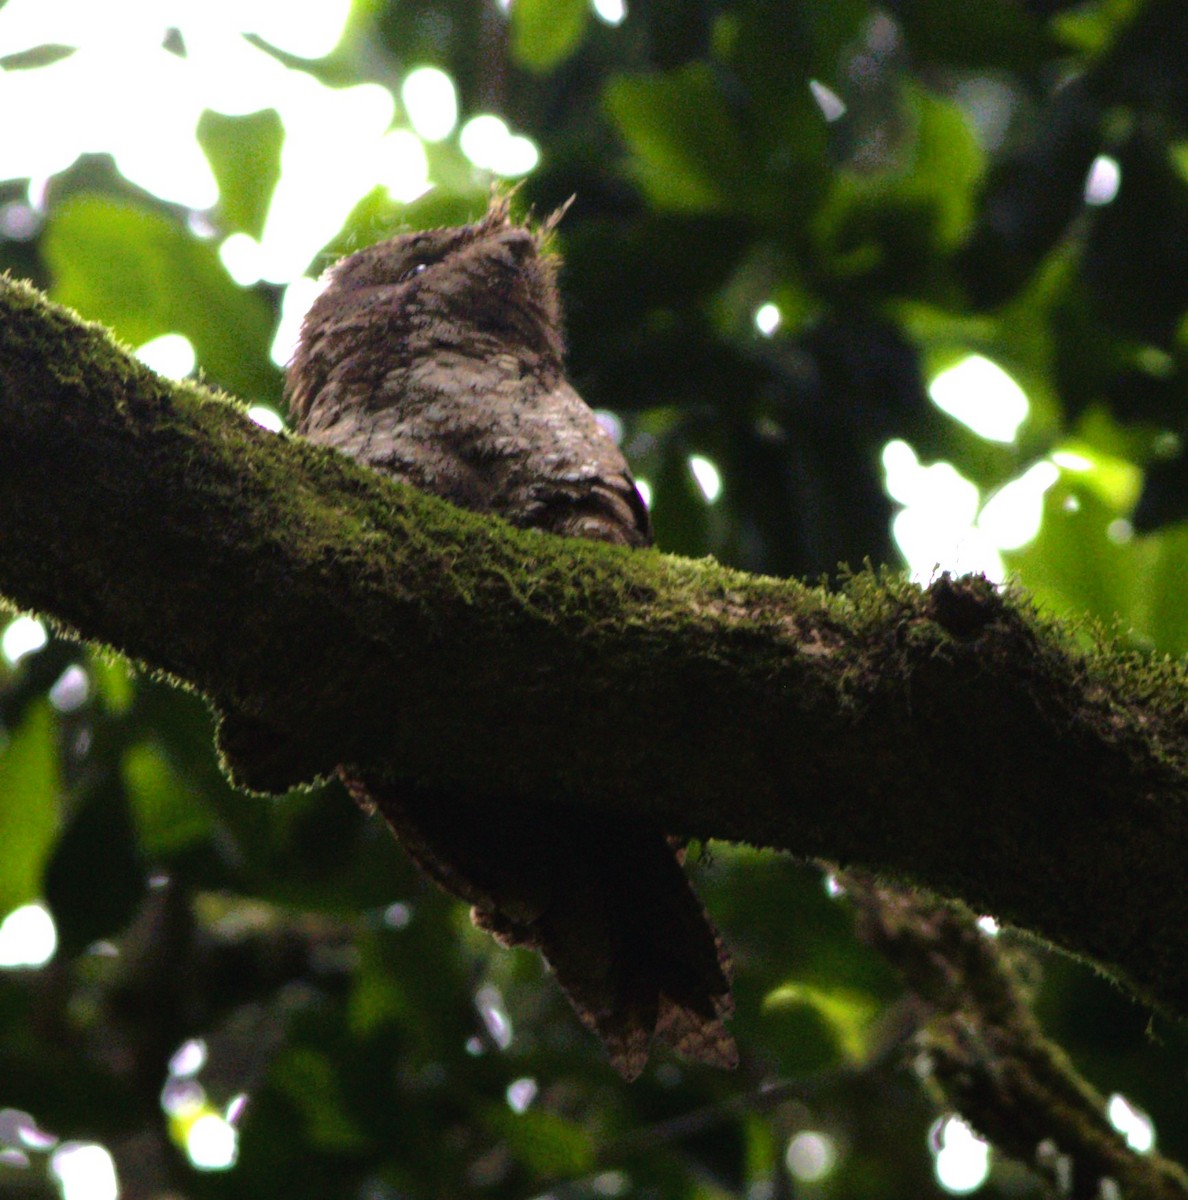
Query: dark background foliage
387,1049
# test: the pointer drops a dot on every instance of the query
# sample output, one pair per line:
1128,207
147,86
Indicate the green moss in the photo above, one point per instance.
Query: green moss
949,736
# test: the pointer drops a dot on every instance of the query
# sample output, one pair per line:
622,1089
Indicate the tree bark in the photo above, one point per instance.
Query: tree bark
945,737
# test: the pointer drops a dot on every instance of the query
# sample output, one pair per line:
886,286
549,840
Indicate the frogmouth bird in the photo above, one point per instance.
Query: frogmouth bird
436,358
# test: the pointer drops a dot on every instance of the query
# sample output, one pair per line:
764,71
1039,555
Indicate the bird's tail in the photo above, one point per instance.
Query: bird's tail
604,899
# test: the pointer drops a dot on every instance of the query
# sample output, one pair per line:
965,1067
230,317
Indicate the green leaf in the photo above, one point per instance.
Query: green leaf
544,33
1166,559
949,164
1075,568
548,1144
310,1080
1085,561
919,207
143,275
28,807
1092,28
244,154
848,1013
167,813
687,151
114,681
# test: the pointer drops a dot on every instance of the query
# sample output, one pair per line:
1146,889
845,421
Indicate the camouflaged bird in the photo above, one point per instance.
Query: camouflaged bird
436,357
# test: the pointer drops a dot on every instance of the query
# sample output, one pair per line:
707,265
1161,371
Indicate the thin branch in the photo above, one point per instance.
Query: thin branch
987,1056
887,1044
947,737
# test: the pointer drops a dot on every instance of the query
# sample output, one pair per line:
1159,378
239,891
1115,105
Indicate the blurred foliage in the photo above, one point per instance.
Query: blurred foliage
942,213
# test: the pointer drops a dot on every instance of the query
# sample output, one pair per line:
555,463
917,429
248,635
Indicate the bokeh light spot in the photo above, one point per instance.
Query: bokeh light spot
1103,181
489,1002
610,12
811,1156
171,355
28,937
304,30
241,258
212,1144
1070,460
832,106
961,1158
182,1097
431,101
610,1183
296,302
936,528
767,319
1132,1123
19,222
521,1093
188,1059
1012,516
402,165
23,635
611,425
84,1171
709,478
980,394
488,143
266,417
71,689
20,1129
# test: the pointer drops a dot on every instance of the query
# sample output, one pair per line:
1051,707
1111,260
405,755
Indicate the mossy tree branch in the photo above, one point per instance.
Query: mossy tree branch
944,737
980,1049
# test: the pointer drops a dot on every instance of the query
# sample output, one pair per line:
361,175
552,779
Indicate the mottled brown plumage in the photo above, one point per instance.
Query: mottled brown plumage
436,357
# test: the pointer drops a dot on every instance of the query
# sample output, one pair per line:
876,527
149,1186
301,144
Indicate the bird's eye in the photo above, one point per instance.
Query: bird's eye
412,271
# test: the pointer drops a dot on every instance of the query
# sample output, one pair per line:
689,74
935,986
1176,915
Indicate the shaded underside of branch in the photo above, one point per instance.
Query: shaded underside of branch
945,737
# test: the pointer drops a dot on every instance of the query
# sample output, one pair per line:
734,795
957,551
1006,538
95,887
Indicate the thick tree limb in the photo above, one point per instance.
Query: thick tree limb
947,737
